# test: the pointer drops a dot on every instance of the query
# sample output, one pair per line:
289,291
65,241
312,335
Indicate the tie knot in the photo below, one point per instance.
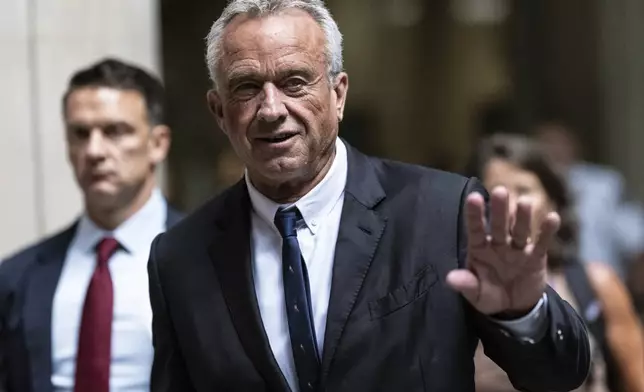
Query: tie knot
106,249
286,221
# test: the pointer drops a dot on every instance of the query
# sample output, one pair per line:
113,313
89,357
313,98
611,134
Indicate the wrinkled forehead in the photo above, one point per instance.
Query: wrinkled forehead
268,38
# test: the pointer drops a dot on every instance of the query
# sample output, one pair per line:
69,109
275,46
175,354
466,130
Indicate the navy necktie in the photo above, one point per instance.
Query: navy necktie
298,301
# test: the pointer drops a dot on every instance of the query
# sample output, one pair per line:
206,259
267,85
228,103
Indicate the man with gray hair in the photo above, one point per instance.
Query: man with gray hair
327,270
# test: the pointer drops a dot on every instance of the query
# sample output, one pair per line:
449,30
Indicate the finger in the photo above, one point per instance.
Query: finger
499,215
522,223
475,213
466,283
547,234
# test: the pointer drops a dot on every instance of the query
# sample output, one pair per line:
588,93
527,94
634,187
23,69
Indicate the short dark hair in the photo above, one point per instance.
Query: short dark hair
119,75
528,154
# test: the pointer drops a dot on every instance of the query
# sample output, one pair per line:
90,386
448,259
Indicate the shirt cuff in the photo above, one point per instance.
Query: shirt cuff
530,327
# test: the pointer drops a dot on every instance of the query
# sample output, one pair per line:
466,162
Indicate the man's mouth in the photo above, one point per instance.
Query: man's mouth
278,138
100,176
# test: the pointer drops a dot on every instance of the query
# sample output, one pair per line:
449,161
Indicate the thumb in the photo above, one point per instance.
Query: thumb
466,283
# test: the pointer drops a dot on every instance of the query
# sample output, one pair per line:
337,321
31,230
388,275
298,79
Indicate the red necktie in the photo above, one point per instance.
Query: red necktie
95,339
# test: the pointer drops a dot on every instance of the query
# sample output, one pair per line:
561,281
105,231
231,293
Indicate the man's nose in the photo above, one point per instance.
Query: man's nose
95,147
272,107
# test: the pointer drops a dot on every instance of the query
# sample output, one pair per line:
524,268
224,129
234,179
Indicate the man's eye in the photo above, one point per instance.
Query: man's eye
246,88
294,84
80,133
113,131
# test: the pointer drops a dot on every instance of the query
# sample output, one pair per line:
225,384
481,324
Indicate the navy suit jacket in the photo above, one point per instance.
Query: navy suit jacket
28,282
393,324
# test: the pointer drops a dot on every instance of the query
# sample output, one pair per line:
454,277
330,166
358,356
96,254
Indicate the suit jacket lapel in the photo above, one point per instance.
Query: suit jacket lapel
230,253
361,228
37,309
38,301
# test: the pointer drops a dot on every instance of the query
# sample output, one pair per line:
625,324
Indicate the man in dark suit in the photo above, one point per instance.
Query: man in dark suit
74,308
327,270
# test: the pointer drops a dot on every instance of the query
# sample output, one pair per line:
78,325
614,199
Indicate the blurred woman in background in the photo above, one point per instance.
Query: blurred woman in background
592,288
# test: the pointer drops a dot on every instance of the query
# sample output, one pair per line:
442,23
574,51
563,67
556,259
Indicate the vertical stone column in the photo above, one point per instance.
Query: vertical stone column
44,42
19,207
622,65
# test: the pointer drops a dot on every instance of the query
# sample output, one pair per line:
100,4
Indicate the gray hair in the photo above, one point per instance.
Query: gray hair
256,8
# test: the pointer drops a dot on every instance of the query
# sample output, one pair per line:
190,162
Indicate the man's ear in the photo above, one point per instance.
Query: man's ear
216,107
159,143
341,87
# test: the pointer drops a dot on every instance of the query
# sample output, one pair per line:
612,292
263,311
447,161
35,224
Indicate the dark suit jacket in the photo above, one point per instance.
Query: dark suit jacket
393,323
28,282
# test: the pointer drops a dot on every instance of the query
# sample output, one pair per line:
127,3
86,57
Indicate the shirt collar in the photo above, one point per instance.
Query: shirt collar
132,234
315,205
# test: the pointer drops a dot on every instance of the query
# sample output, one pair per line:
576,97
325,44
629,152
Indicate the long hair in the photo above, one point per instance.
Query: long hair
528,155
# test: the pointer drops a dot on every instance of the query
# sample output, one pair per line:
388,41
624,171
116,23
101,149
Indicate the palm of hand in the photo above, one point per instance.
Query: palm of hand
505,273
509,279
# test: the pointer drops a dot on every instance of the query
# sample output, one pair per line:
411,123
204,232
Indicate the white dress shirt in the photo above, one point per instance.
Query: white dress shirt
321,210
132,350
